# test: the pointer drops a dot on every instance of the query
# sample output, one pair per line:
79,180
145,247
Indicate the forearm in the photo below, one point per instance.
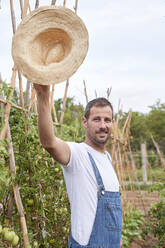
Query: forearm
57,148
45,124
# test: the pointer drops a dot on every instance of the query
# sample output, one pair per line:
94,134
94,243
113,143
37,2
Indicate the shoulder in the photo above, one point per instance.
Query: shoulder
74,147
78,153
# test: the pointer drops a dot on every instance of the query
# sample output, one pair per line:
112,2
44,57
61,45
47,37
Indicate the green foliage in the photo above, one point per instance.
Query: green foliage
160,187
133,220
143,125
73,112
155,224
156,123
40,180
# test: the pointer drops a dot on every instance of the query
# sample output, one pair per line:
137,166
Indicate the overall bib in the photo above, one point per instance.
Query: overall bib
106,231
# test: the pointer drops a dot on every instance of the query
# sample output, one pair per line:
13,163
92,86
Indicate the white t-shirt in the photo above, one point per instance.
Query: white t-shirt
82,187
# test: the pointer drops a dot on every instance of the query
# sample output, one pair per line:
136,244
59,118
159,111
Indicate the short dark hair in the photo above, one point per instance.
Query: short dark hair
98,102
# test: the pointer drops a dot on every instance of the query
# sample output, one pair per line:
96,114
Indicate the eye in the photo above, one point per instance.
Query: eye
108,120
96,119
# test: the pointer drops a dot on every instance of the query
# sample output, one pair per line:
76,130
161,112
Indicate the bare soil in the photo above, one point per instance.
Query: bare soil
148,243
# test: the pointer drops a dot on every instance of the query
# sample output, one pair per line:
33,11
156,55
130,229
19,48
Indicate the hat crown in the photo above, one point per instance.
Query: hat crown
50,46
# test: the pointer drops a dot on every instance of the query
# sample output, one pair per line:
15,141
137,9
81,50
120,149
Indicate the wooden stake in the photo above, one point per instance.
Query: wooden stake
95,94
144,162
32,99
67,82
12,16
37,4
52,105
76,6
159,152
25,9
64,3
14,29
64,102
53,2
126,122
8,105
1,82
85,91
12,104
20,89
27,94
16,189
109,92
10,209
21,7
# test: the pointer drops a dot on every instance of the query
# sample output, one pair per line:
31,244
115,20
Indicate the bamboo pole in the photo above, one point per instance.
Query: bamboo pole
12,104
32,99
21,7
10,209
159,152
127,122
53,2
132,162
8,105
16,189
95,94
12,16
27,94
85,91
144,162
76,6
109,92
67,82
64,102
21,89
25,8
52,105
1,82
14,30
20,108
37,4
64,3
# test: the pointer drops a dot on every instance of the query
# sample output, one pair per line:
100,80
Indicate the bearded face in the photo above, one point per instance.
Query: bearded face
99,125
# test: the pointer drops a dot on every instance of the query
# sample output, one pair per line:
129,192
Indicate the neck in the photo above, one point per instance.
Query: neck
100,148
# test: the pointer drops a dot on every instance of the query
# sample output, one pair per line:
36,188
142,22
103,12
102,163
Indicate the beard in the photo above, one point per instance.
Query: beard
96,140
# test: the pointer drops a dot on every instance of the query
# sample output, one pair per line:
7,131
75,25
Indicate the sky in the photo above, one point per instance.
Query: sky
126,51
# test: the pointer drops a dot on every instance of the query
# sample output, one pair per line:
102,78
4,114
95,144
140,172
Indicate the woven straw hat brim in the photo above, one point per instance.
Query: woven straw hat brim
49,45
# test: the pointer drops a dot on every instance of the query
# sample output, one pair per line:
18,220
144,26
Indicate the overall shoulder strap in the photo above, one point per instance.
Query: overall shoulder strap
96,172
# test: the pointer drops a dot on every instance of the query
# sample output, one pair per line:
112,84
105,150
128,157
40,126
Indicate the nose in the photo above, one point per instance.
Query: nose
102,124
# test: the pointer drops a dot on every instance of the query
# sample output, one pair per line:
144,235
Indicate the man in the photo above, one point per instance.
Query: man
92,184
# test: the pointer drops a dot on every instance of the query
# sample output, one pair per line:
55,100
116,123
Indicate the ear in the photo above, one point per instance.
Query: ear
84,122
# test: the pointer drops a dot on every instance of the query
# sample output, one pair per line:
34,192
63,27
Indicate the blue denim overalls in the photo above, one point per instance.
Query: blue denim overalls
106,232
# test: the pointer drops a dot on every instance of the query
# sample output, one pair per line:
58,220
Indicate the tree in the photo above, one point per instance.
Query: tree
156,124
138,129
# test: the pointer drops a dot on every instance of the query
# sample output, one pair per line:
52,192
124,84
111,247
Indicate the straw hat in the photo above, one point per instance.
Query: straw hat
49,45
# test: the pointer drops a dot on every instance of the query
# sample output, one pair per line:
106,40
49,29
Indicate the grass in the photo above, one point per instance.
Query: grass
153,175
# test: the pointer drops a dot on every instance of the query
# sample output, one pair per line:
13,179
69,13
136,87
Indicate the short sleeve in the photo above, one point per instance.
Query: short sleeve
75,151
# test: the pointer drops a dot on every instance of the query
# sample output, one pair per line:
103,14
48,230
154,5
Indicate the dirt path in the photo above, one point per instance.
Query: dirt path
141,199
149,243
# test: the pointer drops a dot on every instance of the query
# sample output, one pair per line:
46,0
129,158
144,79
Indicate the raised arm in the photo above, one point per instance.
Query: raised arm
58,149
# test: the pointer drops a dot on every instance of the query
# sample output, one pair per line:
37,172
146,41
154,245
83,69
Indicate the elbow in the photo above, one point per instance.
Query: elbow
50,149
47,147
